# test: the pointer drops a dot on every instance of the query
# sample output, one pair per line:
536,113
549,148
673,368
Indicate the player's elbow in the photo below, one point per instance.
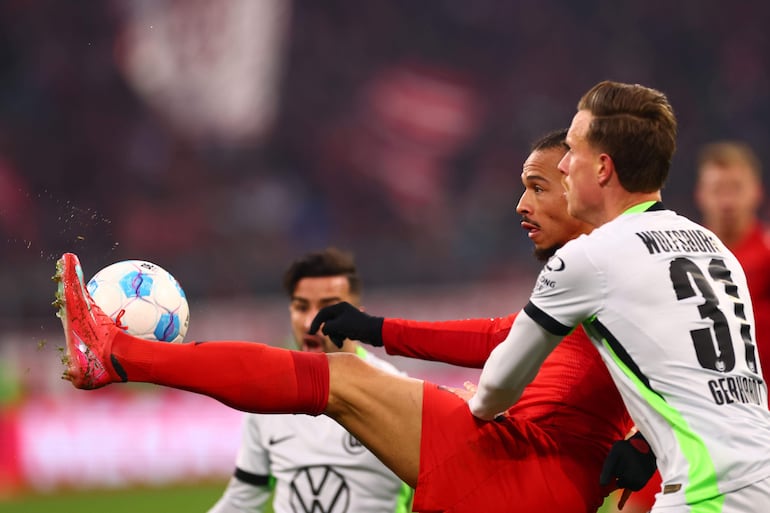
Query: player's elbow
492,400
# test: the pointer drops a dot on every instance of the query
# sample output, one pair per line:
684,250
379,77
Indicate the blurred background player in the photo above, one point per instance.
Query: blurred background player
312,460
729,194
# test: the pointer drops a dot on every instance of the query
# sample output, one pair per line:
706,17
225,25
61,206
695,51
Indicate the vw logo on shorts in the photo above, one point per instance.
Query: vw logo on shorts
319,489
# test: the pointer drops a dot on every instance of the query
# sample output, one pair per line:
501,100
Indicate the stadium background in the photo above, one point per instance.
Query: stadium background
221,139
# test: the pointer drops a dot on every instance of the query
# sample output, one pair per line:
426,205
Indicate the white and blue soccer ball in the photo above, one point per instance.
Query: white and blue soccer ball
142,298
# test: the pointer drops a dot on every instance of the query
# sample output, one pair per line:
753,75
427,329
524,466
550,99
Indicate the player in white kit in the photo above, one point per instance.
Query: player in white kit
665,303
305,463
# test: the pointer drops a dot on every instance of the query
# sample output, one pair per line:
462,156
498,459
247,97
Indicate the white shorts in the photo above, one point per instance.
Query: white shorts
754,498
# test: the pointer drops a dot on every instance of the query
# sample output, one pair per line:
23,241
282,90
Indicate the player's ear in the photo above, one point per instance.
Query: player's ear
605,170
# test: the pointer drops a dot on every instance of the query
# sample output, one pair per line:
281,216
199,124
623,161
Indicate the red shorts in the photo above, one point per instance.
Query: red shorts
469,465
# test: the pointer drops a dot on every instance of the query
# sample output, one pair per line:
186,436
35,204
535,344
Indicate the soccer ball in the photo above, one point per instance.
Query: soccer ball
143,299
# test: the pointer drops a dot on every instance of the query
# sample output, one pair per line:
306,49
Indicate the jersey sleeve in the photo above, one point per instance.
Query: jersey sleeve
511,367
241,497
248,490
466,343
252,455
568,290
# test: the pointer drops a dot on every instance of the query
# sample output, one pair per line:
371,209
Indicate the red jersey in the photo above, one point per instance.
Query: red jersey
753,252
572,390
546,454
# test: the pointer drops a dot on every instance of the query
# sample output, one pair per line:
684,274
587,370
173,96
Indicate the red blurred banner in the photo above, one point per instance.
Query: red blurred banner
101,439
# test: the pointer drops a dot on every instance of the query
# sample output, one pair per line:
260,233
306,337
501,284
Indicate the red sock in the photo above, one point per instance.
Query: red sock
243,375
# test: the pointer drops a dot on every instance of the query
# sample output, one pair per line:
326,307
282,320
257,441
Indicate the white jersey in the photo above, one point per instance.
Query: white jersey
668,308
310,464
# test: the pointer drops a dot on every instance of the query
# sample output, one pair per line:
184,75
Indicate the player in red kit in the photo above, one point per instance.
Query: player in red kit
553,427
544,454
729,194
454,461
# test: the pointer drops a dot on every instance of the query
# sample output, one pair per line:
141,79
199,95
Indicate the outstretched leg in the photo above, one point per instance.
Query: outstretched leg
383,411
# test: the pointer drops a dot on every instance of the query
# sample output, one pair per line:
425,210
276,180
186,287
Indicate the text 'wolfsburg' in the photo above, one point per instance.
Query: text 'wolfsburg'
678,241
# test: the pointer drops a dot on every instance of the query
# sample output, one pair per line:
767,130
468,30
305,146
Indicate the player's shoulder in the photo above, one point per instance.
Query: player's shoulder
281,421
630,226
630,221
575,250
605,245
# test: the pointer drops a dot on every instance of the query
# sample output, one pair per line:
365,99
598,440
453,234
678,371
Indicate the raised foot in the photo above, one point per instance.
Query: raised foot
87,329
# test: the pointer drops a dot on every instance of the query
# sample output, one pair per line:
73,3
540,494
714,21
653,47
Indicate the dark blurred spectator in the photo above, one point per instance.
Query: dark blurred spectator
18,215
389,157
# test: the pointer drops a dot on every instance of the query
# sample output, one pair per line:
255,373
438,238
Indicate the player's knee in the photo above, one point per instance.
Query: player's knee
349,376
345,366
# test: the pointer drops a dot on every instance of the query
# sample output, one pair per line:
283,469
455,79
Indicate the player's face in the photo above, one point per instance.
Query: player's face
310,295
580,166
543,207
728,196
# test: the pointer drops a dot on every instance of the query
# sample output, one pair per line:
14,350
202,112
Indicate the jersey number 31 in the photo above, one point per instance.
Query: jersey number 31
720,357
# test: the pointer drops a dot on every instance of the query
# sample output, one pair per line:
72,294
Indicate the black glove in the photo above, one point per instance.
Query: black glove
630,462
343,320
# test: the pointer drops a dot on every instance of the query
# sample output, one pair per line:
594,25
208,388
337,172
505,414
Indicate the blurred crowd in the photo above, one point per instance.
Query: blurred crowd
392,128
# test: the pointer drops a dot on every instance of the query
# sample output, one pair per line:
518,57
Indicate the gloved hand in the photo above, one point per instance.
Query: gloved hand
343,320
631,463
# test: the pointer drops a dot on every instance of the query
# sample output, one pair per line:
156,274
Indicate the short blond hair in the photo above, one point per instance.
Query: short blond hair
727,153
